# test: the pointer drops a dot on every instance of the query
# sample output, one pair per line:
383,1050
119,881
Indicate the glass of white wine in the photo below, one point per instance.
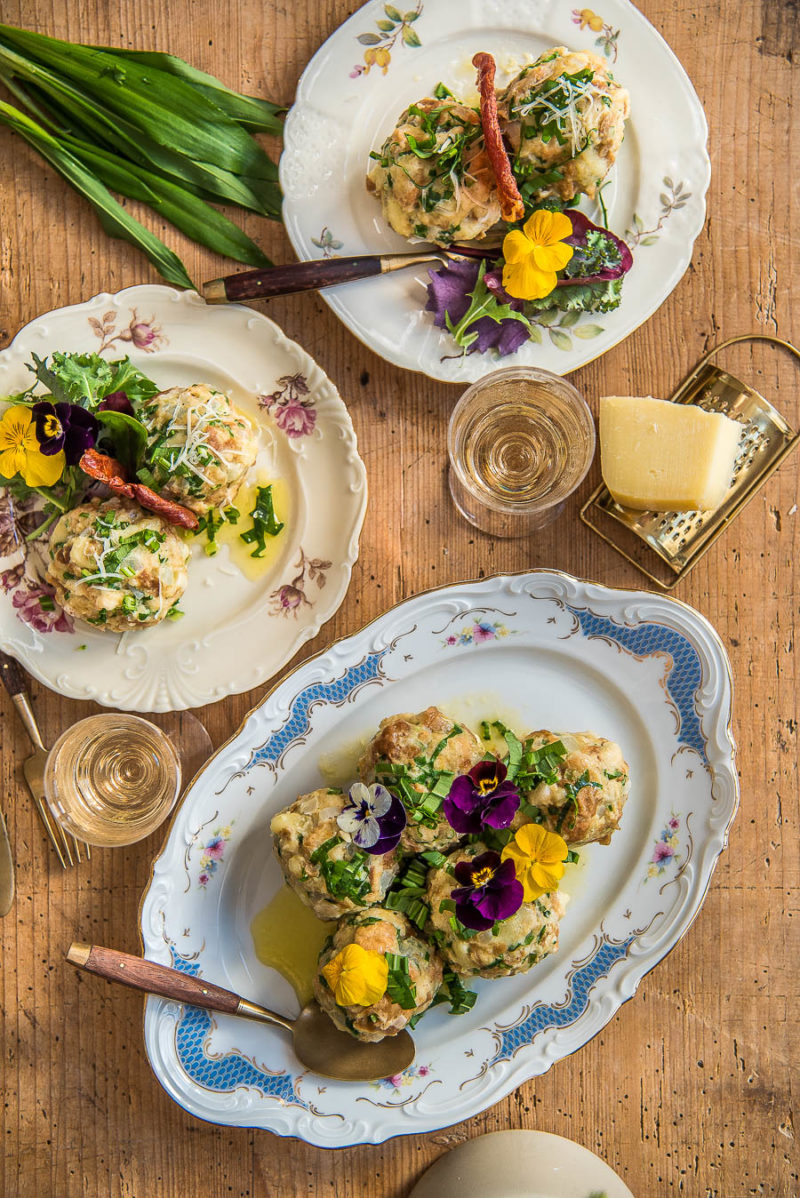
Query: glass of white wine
111,779
520,441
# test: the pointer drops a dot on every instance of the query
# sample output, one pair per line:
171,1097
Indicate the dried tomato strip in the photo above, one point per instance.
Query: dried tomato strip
109,471
511,205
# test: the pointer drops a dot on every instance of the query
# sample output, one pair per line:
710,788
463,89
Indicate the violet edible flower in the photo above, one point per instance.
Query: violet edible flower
64,426
116,401
373,817
449,296
482,796
489,891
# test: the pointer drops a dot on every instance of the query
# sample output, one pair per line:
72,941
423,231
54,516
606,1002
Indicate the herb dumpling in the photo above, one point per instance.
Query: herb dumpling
320,860
116,566
432,175
376,974
579,787
417,757
509,946
564,120
199,447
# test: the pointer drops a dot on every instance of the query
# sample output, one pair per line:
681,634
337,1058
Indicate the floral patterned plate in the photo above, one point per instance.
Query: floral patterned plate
237,630
535,650
384,58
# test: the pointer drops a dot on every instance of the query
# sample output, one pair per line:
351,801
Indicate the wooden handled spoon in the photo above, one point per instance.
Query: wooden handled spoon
318,1043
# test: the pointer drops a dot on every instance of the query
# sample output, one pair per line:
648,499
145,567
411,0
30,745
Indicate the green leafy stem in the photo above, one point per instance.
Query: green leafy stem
673,198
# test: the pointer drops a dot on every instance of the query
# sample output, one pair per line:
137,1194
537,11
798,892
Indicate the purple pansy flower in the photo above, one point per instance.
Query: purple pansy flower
489,891
65,426
483,796
116,401
374,818
663,852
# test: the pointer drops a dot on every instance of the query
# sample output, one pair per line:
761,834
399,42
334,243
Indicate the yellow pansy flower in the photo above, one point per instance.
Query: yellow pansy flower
534,253
538,857
21,453
357,976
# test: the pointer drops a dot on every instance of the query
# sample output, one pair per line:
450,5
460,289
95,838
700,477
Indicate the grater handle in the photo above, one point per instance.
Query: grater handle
712,353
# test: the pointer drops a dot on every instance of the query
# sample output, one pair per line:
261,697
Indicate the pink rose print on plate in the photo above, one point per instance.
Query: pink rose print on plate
292,595
291,406
142,333
295,420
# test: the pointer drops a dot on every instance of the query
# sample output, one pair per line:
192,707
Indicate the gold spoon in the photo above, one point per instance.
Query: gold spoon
318,1043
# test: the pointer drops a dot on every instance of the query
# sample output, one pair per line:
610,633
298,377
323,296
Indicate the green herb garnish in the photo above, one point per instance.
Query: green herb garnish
399,987
265,522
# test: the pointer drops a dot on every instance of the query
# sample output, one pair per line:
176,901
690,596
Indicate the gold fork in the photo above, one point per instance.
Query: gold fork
67,846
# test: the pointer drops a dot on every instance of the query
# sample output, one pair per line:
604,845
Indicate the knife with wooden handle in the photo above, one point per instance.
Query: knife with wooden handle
317,273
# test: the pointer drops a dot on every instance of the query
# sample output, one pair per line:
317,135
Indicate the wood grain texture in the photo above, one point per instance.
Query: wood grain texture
691,1087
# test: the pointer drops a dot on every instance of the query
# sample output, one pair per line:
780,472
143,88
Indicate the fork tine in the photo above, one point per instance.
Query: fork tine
64,840
76,845
45,817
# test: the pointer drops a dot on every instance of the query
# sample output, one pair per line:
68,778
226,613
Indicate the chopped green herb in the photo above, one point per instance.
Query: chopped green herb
454,991
399,987
265,522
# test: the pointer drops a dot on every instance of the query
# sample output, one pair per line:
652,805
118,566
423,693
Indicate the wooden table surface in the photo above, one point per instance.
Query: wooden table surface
689,1089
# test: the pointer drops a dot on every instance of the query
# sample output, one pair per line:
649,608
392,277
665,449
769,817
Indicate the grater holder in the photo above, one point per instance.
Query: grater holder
679,540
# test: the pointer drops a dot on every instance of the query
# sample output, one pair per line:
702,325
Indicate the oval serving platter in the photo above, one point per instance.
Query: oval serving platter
536,650
236,631
377,63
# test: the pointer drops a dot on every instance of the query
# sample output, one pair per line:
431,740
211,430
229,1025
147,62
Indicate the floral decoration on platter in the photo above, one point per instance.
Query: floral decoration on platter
665,850
143,333
380,45
291,405
673,198
481,630
327,243
607,41
292,595
213,853
398,1081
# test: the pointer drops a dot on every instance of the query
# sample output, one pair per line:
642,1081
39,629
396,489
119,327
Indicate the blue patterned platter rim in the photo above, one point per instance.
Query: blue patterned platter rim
378,62
539,649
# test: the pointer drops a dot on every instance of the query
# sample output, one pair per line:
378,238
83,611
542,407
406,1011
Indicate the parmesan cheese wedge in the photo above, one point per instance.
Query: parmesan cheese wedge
666,457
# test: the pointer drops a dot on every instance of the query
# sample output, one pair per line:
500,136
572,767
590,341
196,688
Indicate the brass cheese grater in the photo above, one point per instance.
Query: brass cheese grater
679,539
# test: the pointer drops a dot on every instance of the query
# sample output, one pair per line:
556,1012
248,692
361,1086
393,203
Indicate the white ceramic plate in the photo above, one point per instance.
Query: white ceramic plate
536,650
236,631
520,1164
655,197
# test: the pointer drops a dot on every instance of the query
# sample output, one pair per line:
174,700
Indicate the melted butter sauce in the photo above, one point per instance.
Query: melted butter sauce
239,553
288,937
